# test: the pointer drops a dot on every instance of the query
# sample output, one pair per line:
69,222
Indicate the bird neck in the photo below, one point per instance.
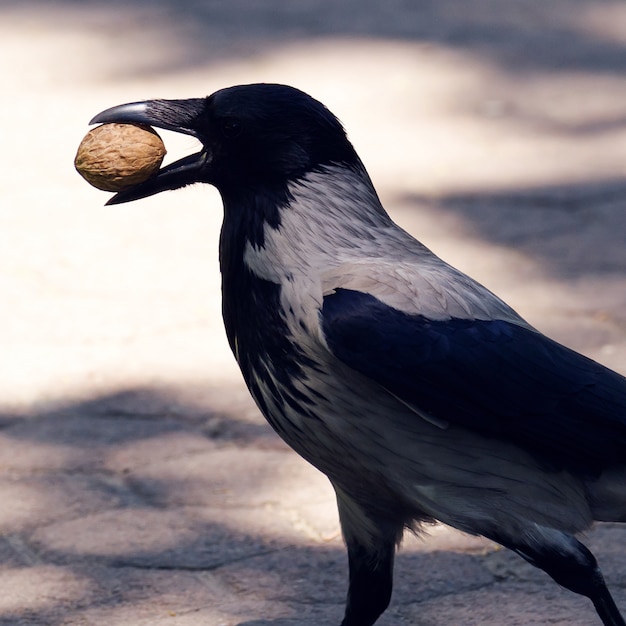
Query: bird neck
325,217
288,235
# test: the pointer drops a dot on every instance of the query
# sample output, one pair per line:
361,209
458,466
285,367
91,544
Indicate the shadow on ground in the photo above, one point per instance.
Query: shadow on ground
158,512
519,37
571,231
117,517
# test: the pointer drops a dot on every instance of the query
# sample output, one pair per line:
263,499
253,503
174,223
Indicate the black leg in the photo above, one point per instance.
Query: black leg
607,609
371,580
574,567
371,543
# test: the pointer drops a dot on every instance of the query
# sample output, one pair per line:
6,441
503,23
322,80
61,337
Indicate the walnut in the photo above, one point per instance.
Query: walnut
114,157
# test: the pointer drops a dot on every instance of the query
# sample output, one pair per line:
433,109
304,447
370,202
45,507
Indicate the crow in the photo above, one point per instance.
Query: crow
418,392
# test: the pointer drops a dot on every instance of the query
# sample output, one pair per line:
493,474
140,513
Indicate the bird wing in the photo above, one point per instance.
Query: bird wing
496,375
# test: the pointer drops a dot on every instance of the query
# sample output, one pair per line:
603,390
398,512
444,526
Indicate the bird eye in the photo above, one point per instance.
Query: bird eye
231,128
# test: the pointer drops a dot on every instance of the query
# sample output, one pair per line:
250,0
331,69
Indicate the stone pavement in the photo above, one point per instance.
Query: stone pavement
140,485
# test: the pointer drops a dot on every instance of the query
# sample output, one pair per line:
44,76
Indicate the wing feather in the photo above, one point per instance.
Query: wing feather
495,377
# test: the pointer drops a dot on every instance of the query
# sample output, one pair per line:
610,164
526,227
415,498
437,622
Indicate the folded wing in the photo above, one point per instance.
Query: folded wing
495,377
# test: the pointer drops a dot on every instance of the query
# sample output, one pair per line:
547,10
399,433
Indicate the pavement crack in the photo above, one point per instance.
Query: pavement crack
26,554
121,564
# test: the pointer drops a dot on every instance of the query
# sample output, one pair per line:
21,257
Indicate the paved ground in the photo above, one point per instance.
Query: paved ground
140,485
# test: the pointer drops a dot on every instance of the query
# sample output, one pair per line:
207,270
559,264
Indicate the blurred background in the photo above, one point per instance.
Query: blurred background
494,131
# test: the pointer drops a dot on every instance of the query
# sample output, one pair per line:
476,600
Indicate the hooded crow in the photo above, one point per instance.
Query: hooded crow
419,393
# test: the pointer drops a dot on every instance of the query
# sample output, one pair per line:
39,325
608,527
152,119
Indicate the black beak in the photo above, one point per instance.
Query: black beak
178,115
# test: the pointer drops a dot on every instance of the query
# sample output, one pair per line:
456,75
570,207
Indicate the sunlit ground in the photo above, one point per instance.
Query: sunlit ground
463,99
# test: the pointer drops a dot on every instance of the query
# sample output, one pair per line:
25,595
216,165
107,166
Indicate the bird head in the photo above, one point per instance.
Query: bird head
252,136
